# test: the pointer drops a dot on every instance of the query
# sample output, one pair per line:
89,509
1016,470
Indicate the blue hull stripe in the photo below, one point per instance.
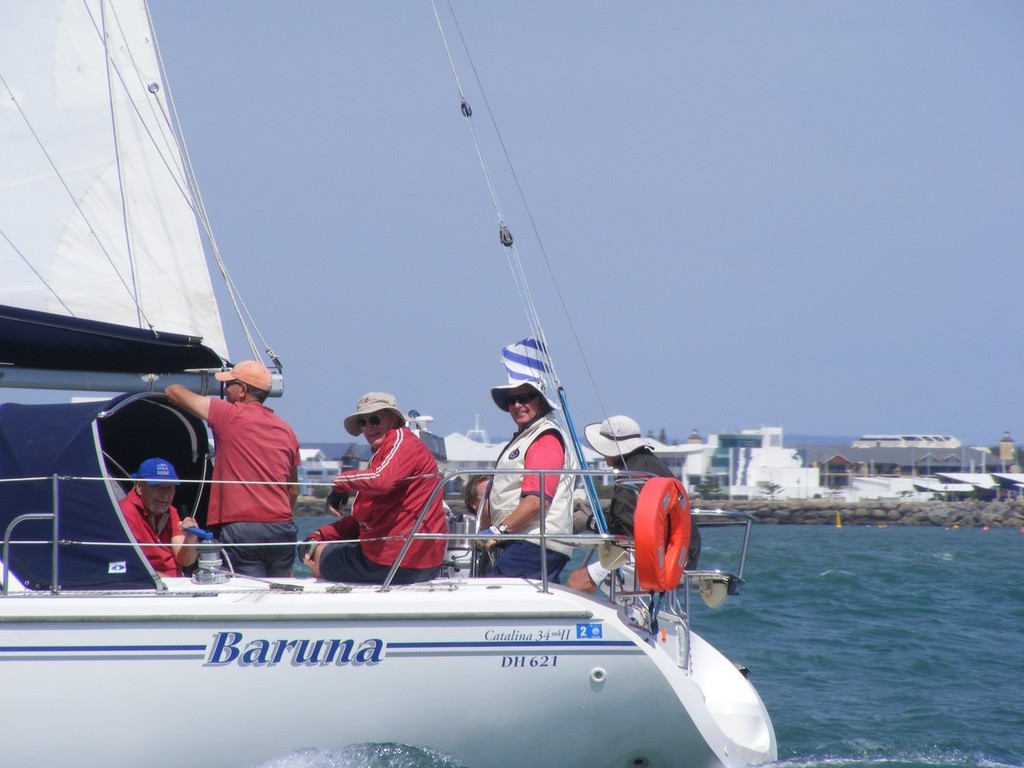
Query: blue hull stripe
101,649
128,652
521,644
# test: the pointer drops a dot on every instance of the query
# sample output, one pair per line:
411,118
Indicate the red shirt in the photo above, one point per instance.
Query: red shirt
546,452
141,524
391,494
255,445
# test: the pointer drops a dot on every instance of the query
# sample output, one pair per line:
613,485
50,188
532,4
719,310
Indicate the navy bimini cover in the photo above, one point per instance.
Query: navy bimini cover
90,440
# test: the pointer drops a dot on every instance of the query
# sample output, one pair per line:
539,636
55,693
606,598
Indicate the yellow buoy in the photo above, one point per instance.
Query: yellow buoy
839,521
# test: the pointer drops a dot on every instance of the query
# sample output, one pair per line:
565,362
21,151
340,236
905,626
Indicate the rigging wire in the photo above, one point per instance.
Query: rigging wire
195,201
504,233
64,184
100,29
173,139
515,262
110,69
165,144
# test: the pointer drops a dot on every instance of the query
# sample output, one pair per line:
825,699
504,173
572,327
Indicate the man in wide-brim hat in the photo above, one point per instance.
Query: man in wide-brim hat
390,494
514,502
619,440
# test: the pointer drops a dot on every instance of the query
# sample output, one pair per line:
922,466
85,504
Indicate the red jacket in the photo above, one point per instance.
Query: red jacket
141,525
392,491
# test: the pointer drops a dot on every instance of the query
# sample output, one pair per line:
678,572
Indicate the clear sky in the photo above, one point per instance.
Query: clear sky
803,214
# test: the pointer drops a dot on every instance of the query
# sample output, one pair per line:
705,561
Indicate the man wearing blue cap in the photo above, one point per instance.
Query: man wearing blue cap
154,522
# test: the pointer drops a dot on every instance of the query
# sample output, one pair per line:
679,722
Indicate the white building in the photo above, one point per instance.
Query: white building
906,441
753,463
315,469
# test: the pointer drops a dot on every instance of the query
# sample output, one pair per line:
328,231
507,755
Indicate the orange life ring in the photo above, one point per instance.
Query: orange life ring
661,533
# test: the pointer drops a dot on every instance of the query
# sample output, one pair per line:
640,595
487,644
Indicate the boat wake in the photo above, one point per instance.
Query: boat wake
367,756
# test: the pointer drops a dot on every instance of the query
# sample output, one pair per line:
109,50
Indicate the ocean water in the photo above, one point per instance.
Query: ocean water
884,647
871,648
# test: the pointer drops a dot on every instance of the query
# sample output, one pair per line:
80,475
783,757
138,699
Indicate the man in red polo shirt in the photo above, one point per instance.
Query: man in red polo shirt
154,522
254,470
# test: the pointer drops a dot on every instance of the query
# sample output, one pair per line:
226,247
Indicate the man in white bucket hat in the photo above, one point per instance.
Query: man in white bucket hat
619,440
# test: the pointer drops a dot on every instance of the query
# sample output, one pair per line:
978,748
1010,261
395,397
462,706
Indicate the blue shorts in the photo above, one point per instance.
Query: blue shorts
346,562
260,561
521,559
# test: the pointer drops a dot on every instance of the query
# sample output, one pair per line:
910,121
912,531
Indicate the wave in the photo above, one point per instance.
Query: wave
911,759
366,756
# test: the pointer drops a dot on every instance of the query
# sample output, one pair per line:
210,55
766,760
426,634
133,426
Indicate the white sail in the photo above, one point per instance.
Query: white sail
97,217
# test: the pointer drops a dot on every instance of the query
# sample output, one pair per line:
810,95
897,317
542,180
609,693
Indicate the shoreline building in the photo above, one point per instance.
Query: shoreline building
917,467
750,464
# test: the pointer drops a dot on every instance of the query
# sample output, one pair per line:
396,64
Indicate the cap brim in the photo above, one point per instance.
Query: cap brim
156,480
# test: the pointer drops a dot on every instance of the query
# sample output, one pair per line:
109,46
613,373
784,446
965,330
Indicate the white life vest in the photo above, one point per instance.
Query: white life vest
506,489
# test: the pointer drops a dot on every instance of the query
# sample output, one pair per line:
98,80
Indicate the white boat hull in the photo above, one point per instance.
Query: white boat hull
494,671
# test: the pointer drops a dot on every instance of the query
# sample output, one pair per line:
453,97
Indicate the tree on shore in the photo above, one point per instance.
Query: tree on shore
708,489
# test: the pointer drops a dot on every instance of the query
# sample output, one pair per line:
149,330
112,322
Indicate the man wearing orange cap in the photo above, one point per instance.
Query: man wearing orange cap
254,470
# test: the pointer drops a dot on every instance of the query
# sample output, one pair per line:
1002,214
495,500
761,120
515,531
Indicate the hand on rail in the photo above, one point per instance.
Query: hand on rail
490,541
491,533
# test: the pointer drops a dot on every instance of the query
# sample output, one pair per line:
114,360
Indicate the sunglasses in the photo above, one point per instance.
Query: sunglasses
522,399
232,383
374,420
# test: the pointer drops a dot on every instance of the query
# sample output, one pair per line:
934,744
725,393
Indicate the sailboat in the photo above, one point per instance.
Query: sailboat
107,288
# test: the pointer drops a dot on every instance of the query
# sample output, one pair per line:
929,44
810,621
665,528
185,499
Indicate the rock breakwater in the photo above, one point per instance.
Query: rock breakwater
965,514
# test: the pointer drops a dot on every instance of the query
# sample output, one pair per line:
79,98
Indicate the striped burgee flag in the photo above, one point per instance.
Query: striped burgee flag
526,360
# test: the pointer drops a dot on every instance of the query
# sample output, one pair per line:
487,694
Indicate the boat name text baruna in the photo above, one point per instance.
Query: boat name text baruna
232,648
